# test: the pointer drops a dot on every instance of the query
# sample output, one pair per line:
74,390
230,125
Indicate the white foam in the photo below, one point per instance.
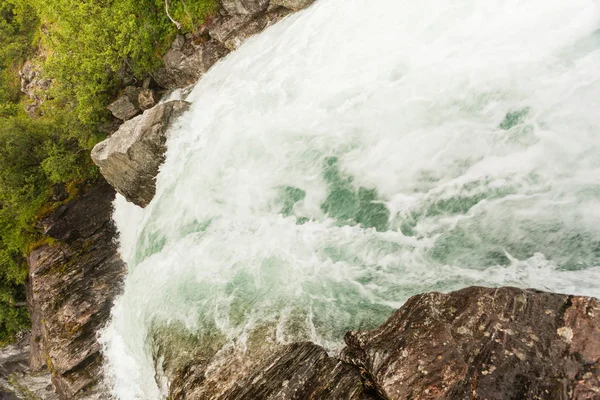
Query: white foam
409,96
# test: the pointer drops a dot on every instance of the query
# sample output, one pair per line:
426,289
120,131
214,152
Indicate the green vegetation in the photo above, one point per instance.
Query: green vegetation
89,48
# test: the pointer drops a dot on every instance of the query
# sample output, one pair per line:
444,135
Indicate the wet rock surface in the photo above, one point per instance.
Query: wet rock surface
302,371
130,158
484,343
296,372
72,285
476,343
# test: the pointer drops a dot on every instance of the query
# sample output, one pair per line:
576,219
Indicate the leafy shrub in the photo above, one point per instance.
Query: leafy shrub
89,46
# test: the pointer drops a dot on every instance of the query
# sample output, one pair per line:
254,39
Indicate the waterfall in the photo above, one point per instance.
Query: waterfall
361,152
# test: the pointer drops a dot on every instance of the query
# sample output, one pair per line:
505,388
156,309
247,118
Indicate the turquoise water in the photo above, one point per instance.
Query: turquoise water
357,154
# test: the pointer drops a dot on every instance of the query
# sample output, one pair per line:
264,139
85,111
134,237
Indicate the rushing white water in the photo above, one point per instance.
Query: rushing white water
361,152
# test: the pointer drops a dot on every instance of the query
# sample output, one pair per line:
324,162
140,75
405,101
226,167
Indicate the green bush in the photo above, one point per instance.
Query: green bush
89,46
94,43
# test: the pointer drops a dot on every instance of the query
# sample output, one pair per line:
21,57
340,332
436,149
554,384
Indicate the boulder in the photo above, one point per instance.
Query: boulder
294,5
484,343
71,287
127,105
130,158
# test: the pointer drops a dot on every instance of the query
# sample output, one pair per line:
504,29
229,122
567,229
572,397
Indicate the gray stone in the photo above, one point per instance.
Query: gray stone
130,158
126,106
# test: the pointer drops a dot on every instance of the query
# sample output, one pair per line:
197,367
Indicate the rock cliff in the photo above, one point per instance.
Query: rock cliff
72,285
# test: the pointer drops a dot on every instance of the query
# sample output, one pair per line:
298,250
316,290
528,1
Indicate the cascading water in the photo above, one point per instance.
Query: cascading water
361,152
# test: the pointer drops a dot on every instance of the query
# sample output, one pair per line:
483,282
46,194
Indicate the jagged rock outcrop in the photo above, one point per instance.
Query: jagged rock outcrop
72,285
233,30
130,158
302,371
475,343
484,343
296,372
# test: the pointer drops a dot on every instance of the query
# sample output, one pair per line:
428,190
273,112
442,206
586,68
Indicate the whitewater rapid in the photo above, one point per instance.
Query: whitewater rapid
361,152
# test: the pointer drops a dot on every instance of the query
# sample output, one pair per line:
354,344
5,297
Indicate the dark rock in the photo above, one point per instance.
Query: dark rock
59,192
130,158
110,127
146,99
476,343
72,285
146,83
187,61
126,106
125,76
484,343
